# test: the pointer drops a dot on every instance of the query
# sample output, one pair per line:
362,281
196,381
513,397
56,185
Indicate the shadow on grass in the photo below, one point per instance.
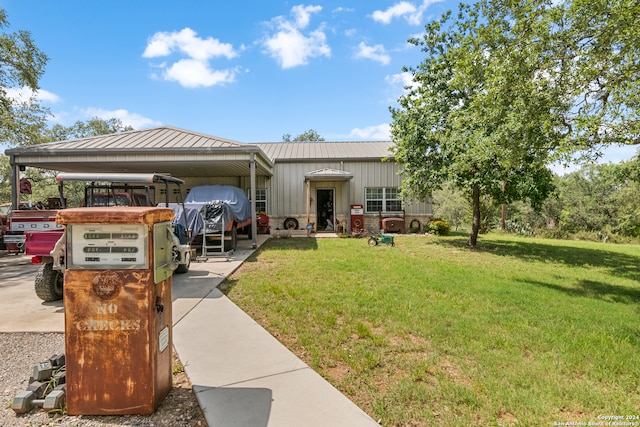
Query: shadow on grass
617,263
596,290
227,285
277,244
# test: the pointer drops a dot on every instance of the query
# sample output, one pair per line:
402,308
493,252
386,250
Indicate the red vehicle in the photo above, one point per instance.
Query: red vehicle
5,208
12,238
43,235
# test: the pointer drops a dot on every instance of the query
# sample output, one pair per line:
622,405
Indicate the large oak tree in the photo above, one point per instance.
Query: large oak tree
508,87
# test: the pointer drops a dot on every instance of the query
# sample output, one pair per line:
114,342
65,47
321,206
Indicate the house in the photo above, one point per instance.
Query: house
326,184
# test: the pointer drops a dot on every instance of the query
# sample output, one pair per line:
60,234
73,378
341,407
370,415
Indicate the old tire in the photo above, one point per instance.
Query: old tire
291,224
49,283
372,241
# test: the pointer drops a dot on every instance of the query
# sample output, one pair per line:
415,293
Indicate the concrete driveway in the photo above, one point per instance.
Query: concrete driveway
22,311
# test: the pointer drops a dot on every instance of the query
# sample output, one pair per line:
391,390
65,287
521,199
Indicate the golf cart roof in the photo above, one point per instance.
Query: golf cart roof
144,178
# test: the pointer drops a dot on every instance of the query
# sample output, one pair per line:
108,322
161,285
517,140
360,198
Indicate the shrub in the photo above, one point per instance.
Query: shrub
438,227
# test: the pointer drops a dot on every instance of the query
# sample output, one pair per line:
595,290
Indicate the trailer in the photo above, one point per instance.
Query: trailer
225,211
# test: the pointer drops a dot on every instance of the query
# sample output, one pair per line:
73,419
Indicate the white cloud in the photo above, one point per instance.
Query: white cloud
127,118
302,14
187,42
404,9
375,53
378,132
24,94
289,45
192,73
400,81
195,70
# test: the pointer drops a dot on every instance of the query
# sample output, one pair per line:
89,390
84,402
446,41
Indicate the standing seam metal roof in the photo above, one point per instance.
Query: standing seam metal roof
295,151
165,137
168,138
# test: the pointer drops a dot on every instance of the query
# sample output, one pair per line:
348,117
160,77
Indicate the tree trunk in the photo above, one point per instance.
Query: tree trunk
475,227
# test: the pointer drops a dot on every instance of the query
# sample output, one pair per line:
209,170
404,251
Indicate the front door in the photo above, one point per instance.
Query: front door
325,209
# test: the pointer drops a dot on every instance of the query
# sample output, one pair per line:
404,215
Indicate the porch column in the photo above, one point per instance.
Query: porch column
308,182
254,219
15,184
348,229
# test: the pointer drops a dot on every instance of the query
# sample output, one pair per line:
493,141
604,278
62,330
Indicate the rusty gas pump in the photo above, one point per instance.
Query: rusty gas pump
117,301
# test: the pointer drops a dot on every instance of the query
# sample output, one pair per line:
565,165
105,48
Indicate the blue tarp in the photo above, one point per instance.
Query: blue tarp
193,219
212,201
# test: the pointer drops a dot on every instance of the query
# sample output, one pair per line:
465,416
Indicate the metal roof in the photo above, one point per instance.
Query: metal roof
164,138
185,153
168,149
314,151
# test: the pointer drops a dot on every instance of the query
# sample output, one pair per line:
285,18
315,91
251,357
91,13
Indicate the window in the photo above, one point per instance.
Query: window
261,199
385,199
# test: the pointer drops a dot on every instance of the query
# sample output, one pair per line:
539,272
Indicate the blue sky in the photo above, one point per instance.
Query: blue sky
248,71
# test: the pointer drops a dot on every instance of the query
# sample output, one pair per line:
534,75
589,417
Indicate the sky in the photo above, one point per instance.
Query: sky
248,71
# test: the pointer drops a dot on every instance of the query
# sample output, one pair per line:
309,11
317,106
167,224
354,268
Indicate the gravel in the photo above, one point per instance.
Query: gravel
20,351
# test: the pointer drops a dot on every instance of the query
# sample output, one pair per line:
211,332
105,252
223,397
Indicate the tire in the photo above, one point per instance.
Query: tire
372,241
415,225
291,224
49,283
184,268
230,245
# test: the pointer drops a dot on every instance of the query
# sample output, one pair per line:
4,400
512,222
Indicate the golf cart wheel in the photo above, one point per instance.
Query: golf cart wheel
49,283
184,268
372,241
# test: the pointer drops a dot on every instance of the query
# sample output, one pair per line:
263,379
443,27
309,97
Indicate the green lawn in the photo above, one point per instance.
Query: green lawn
516,332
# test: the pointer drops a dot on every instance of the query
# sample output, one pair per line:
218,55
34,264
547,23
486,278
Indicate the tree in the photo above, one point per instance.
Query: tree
508,87
310,135
44,182
597,49
450,204
92,127
21,66
479,114
600,199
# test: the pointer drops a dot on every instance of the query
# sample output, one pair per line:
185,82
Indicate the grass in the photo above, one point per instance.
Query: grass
429,332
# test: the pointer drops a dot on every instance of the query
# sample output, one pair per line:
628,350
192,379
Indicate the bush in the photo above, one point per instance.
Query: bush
438,227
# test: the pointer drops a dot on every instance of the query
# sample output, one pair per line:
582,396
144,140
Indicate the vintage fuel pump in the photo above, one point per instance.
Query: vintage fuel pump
357,218
117,301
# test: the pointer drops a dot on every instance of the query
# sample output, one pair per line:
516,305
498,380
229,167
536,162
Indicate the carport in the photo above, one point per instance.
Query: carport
164,149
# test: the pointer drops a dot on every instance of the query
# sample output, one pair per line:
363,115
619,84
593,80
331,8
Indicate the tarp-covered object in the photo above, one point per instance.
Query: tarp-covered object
193,218
213,201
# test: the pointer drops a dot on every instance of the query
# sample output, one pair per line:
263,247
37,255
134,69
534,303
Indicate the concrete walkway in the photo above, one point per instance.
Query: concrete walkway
241,374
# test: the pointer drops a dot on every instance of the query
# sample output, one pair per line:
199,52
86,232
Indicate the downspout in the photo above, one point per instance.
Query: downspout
254,219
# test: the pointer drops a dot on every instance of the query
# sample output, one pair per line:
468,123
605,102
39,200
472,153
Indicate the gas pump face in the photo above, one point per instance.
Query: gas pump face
121,247
107,246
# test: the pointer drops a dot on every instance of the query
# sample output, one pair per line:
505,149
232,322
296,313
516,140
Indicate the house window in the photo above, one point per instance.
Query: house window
385,199
261,199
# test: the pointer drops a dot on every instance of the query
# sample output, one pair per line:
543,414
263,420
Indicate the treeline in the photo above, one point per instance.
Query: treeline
597,202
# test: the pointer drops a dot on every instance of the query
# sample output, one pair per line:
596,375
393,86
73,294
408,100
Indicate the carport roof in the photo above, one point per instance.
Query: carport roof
164,149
